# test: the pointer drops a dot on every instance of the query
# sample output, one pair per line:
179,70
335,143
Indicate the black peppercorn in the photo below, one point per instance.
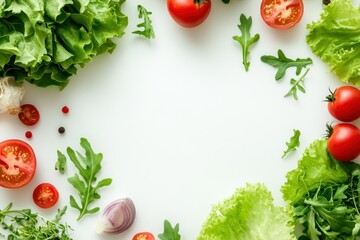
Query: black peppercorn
61,130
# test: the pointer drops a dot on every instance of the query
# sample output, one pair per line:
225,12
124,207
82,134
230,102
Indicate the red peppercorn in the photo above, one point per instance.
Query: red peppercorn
28,134
65,109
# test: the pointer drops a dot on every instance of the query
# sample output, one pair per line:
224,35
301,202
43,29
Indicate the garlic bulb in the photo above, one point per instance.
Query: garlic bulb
117,217
11,94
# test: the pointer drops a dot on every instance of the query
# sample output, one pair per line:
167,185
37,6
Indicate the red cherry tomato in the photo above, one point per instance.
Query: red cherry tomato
29,115
45,195
344,142
143,236
17,163
189,13
344,103
282,14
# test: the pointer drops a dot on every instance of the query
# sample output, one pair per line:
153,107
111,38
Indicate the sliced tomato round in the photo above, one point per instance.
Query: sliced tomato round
17,163
143,236
282,14
29,114
45,195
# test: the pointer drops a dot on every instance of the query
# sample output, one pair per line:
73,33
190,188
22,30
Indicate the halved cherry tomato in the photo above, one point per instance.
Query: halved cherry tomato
189,13
344,103
344,142
17,163
45,195
282,14
29,114
143,236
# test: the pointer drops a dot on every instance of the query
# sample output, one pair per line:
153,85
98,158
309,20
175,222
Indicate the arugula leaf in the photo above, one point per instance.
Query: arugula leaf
86,182
293,144
245,38
60,164
25,224
170,233
297,85
148,30
283,63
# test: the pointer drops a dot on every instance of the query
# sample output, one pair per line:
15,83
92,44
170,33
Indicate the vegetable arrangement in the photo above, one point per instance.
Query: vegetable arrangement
322,192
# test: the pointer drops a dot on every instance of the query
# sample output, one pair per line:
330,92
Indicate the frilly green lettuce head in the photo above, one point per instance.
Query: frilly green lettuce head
335,38
44,42
248,214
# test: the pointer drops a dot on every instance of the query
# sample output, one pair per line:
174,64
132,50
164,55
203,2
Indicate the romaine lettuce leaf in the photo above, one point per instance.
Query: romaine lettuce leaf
248,214
335,38
44,42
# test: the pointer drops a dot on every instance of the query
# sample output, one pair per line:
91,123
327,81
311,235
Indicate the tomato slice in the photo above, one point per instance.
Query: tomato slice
143,236
282,14
45,195
17,163
29,114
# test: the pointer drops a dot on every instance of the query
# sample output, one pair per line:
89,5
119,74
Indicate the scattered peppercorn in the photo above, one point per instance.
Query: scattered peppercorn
65,109
326,2
61,130
28,134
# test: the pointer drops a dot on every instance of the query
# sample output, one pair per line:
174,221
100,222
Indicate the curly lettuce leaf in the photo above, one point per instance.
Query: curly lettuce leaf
315,168
335,38
248,214
45,42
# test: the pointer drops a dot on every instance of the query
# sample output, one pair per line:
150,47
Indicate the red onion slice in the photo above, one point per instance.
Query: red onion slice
117,216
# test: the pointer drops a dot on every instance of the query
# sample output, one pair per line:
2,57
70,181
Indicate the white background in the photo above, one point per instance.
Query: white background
180,123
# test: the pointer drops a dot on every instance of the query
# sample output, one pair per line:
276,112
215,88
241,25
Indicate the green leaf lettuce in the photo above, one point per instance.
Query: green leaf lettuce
335,38
248,214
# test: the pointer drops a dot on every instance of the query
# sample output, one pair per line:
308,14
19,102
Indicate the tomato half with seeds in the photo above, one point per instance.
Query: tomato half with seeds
143,236
29,114
282,14
17,163
45,195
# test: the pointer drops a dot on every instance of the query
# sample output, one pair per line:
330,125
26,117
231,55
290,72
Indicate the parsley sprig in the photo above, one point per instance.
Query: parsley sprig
245,39
86,182
25,224
148,30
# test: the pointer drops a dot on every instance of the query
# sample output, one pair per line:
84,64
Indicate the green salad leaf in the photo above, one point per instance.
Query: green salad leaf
86,182
324,194
282,63
245,39
335,39
297,85
147,28
293,144
170,232
45,42
248,214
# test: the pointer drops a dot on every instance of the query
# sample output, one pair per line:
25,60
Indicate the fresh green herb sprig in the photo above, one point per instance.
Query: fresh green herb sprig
282,63
86,182
148,30
245,39
60,164
25,224
297,85
293,144
170,233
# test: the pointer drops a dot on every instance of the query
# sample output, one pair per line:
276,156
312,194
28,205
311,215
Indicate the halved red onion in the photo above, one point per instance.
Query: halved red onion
117,216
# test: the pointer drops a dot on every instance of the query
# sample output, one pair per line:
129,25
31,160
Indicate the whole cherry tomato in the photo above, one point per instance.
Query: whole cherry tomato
282,14
344,142
189,13
344,103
